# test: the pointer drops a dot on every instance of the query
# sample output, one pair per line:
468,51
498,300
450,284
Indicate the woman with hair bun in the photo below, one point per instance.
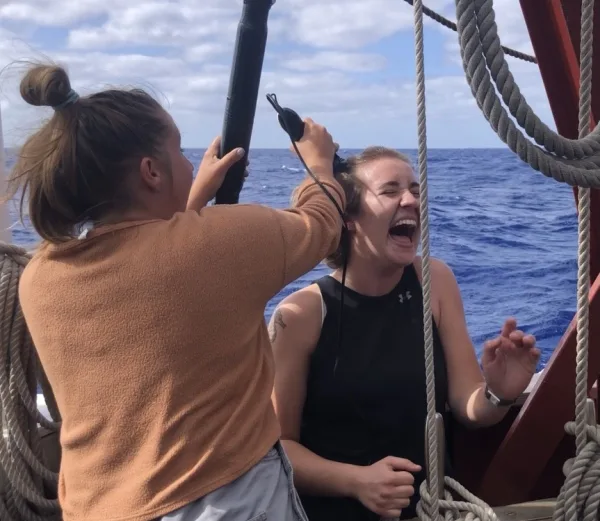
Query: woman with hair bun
147,308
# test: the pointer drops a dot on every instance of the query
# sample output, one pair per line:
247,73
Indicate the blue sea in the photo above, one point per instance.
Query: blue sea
508,232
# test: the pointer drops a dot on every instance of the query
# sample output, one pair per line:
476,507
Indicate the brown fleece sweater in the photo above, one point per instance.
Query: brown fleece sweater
154,340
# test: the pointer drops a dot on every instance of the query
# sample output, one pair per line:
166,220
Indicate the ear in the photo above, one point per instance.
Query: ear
151,174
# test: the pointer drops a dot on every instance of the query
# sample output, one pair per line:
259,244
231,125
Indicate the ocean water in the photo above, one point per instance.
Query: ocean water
508,232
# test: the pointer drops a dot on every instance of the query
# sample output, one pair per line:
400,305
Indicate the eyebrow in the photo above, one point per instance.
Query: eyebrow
396,184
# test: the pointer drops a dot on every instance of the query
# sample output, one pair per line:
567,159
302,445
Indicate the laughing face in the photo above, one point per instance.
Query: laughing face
386,231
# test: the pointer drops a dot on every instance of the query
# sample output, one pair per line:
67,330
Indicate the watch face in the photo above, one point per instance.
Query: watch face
497,402
492,398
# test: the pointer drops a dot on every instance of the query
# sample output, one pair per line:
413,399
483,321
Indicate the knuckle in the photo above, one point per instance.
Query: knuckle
407,478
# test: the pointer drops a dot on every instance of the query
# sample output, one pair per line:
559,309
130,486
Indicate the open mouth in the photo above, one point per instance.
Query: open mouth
405,228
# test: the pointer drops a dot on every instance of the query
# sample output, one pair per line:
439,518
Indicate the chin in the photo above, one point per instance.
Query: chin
401,251
404,259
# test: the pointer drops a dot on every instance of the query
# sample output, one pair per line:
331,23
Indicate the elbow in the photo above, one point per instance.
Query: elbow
464,408
474,411
460,412
287,436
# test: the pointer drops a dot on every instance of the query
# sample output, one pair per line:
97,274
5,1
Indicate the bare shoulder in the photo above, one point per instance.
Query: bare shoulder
440,271
298,318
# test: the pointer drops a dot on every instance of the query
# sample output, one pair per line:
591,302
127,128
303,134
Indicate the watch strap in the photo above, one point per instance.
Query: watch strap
497,401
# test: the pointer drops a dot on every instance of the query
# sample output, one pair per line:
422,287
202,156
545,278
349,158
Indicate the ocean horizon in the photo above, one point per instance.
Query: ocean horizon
508,232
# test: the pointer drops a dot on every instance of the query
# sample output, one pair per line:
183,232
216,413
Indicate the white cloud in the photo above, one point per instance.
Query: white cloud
157,23
335,60
325,58
351,24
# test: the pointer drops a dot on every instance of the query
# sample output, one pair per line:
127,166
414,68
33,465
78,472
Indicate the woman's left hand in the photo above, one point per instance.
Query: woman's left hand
212,169
211,174
509,361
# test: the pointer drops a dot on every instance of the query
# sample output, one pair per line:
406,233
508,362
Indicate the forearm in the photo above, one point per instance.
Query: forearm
479,412
200,195
314,475
197,202
312,228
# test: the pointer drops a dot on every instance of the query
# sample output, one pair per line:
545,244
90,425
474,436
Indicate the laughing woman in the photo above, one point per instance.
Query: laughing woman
350,381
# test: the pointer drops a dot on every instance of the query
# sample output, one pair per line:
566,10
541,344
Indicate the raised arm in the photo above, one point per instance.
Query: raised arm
465,379
517,357
384,487
267,248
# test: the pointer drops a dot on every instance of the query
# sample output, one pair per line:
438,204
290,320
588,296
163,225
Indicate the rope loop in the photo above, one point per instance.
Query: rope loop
30,485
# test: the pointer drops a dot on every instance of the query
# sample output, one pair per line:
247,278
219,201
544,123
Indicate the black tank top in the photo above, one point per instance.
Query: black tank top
365,399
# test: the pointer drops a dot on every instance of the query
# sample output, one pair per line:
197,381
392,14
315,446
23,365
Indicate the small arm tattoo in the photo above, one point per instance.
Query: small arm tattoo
276,324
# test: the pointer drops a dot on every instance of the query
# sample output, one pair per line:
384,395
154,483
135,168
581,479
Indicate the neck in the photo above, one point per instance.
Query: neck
364,277
137,214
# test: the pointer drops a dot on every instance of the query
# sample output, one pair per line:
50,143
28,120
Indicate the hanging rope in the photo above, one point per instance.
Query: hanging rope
579,497
28,480
583,269
451,25
575,162
430,504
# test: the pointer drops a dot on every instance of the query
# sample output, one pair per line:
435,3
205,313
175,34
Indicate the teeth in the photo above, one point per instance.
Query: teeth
408,222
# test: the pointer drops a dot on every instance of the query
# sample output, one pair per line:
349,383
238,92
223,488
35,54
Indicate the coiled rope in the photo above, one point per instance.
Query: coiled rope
29,481
575,162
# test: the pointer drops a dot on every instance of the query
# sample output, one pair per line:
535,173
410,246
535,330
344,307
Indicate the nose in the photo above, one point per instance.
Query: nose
409,200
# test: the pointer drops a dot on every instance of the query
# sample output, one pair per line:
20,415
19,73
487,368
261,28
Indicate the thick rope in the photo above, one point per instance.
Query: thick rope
430,504
572,161
579,498
451,25
575,162
28,480
583,276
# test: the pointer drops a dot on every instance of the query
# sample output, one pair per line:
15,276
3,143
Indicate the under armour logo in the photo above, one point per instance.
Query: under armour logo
406,296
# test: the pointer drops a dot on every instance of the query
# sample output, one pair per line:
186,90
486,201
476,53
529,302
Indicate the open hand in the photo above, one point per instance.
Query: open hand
509,361
386,487
211,174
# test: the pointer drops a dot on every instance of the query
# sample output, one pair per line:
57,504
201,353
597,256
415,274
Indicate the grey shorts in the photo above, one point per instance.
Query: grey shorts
265,493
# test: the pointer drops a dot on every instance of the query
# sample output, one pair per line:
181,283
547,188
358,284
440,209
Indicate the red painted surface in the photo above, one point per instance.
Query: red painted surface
527,463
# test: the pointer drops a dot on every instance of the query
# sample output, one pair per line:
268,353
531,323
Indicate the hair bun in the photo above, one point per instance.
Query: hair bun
46,86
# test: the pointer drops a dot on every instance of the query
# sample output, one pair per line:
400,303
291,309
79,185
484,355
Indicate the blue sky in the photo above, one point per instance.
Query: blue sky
347,64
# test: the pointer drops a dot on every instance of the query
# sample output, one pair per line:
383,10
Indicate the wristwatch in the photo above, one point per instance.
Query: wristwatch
495,400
